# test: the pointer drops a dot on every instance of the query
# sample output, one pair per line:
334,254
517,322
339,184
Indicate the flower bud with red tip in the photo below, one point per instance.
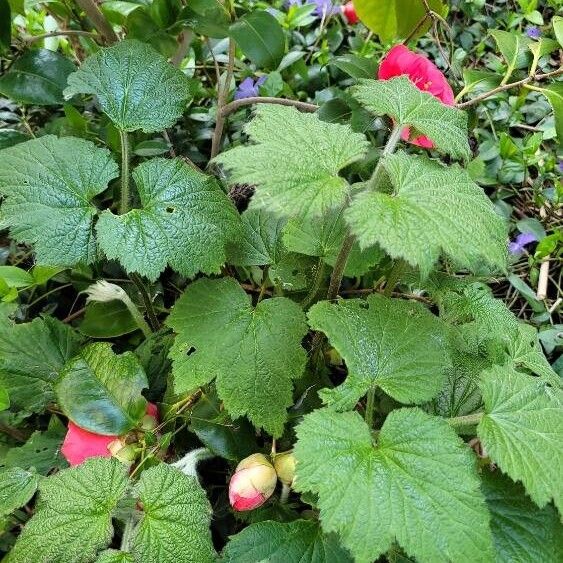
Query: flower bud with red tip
349,13
253,483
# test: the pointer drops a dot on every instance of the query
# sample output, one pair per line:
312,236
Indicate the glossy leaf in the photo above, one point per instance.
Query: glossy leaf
107,320
554,94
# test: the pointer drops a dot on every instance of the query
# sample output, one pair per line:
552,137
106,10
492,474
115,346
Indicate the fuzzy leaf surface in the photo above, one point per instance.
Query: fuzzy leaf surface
17,486
252,353
390,343
400,99
417,486
301,541
31,356
72,520
294,160
431,210
522,431
49,184
101,391
135,86
176,519
185,221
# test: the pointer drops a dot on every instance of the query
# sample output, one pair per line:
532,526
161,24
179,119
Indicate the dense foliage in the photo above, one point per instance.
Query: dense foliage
281,282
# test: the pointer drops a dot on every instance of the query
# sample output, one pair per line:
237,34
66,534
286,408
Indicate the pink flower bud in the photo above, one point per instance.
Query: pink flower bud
349,13
253,483
284,464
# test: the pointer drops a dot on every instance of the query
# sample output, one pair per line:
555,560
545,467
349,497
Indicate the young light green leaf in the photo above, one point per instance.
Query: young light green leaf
512,47
31,355
521,531
176,519
301,541
260,240
115,556
135,86
16,277
522,431
417,486
400,99
432,209
72,521
185,221
294,161
101,391
557,23
252,353
390,343
49,185
17,486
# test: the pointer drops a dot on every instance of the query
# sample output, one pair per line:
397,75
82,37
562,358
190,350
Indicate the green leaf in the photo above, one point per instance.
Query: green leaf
260,37
38,77
49,185
416,486
260,240
176,519
557,23
301,541
356,66
521,531
402,348
207,17
4,399
115,556
135,86
101,391
522,431
185,221
513,48
400,99
432,209
16,277
554,94
17,486
107,320
31,355
72,521
294,161
396,19
11,137
253,353
5,25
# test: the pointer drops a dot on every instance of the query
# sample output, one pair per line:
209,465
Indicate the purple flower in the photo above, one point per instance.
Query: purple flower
560,166
517,246
533,32
248,88
325,8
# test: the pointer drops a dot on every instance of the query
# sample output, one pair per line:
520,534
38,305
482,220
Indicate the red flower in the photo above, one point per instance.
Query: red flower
349,13
80,444
424,74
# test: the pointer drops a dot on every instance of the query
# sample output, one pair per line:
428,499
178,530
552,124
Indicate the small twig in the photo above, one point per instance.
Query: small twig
125,156
74,315
98,20
34,38
502,88
183,47
233,106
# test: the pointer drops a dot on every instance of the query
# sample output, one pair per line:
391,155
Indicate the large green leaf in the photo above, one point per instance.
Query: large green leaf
417,485
522,431
402,348
521,531
260,37
17,486
72,520
554,94
31,356
49,185
176,519
294,161
38,77
396,19
253,353
185,221
301,541
135,86
101,391
431,210
400,99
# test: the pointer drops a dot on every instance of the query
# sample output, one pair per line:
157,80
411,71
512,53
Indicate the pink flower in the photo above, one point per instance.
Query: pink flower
80,444
349,13
424,74
253,483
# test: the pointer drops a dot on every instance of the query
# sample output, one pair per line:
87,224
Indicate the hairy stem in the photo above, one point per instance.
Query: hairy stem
147,302
370,406
98,20
284,493
124,205
389,148
467,420
233,106
394,277
319,271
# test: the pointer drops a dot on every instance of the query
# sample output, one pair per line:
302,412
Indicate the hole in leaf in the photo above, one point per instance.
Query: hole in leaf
170,210
190,351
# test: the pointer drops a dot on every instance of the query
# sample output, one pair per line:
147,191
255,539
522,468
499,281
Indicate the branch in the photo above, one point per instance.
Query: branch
34,38
503,87
233,106
98,20
183,47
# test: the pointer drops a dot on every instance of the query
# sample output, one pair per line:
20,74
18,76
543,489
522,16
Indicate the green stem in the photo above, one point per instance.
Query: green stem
370,406
389,148
124,206
147,302
284,493
129,528
394,277
319,271
467,420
